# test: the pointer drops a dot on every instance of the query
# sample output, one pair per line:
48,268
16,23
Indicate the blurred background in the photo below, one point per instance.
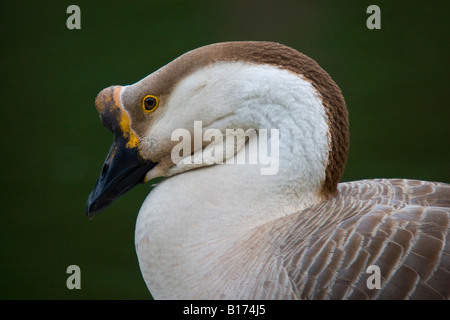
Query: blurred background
395,81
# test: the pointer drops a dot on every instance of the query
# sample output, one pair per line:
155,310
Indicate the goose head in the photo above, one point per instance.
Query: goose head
231,85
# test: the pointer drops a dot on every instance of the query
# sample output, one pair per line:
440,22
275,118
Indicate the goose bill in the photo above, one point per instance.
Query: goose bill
123,169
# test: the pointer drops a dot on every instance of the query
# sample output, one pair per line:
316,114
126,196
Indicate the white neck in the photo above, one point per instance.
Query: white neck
186,212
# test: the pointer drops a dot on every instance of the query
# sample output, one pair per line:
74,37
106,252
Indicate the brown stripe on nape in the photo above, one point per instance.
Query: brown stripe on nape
290,59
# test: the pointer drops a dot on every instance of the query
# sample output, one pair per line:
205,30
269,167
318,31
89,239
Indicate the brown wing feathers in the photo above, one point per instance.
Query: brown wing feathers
327,248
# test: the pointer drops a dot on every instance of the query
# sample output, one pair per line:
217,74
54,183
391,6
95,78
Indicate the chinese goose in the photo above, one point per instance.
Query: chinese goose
215,230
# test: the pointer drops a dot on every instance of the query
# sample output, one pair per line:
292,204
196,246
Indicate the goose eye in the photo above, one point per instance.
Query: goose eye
150,103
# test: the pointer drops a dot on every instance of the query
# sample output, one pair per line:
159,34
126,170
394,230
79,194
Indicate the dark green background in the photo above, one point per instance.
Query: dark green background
395,81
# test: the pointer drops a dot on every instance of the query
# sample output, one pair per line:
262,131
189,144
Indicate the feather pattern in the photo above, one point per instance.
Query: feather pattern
323,252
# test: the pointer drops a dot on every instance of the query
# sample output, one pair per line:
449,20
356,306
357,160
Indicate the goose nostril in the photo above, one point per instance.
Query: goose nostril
105,169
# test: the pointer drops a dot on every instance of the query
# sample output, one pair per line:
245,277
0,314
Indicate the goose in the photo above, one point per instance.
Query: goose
217,228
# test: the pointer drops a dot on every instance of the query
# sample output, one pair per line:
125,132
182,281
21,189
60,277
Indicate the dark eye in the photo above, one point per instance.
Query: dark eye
149,103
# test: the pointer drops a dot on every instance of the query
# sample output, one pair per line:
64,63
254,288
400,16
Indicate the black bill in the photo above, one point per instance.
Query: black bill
123,169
